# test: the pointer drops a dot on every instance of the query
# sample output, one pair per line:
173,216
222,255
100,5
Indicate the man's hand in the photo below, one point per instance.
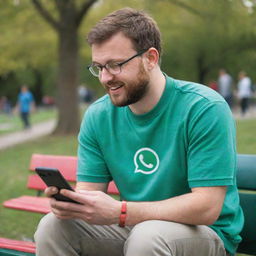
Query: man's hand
96,206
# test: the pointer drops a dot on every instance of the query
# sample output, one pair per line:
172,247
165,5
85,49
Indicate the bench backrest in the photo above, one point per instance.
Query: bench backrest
67,165
246,182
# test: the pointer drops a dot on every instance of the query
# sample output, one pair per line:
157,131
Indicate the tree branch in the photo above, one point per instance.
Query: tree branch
57,3
84,8
45,14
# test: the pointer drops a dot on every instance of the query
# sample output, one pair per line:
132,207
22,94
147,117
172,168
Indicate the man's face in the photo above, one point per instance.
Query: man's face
131,84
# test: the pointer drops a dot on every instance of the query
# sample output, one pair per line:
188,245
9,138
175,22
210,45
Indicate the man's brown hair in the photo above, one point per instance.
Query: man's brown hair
135,24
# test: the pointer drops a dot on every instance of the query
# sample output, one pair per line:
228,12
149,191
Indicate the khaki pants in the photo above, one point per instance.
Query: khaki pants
56,237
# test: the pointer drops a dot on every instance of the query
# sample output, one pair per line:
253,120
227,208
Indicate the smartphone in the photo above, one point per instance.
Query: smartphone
53,177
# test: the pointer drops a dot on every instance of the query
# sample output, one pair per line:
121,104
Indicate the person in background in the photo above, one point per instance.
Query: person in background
213,85
225,89
25,105
5,105
168,144
85,94
244,92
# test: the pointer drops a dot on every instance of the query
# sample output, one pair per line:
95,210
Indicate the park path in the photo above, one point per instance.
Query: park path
36,131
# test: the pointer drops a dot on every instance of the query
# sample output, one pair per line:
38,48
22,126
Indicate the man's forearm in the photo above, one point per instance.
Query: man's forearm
197,208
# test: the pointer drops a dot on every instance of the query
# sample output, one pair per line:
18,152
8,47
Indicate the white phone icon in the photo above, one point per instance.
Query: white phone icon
141,158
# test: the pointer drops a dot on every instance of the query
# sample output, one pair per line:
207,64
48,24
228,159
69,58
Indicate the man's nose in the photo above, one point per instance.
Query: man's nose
105,76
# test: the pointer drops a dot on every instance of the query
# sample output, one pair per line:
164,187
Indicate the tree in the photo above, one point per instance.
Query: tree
199,37
66,24
24,58
211,34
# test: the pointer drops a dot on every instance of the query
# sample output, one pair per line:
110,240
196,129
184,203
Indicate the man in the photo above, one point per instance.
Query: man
169,146
225,86
24,105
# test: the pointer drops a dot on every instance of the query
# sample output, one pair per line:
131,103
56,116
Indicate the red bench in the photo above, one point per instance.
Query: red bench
67,166
15,247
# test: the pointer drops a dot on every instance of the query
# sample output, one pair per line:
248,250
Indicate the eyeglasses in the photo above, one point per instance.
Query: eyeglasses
113,68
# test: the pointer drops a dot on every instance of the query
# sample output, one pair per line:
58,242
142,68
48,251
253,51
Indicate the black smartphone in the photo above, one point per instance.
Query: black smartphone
53,177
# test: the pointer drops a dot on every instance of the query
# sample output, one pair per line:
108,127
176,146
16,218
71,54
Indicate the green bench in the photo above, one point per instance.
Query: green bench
246,181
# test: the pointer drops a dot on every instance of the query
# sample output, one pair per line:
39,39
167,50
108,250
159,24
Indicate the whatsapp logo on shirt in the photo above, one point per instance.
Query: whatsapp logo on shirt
146,161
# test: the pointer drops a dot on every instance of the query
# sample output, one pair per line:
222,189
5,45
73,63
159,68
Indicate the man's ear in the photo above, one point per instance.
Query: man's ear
152,58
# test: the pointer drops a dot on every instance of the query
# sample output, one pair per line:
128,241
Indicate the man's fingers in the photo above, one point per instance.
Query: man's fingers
66,210
81,198
49,191
65,206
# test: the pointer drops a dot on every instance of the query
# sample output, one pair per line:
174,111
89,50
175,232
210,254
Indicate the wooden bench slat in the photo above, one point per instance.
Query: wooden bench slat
35,182
29,203
41,204
67,165
112,188
22,246
246,174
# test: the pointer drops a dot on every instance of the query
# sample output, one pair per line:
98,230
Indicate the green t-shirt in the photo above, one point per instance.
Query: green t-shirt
187,140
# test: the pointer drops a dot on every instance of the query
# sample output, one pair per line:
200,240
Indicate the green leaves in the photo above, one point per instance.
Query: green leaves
199,36
26,39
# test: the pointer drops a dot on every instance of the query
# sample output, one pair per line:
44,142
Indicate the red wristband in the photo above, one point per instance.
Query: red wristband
122,217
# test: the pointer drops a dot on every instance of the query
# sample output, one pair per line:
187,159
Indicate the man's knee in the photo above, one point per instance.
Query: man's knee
48,228
56,237
153,238
144,239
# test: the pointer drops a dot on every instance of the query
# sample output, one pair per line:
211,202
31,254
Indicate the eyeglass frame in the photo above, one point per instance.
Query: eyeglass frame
90,67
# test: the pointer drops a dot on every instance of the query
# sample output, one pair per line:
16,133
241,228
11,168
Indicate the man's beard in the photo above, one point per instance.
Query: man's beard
135,91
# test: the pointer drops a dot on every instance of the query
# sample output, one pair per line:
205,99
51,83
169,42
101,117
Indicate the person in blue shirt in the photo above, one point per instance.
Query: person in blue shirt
24,105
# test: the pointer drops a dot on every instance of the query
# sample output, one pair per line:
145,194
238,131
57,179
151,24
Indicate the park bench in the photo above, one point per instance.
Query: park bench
67,166
246,181
12,247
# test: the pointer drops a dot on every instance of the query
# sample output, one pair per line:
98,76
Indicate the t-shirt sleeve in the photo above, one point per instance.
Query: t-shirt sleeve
212,146
91,164
31,97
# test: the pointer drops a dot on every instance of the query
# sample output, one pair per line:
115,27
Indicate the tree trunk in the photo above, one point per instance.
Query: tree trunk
70,18
67,98
38,86
202,68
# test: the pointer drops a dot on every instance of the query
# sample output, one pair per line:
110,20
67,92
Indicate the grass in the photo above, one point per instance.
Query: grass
13,172
12,123
14,165
246,137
